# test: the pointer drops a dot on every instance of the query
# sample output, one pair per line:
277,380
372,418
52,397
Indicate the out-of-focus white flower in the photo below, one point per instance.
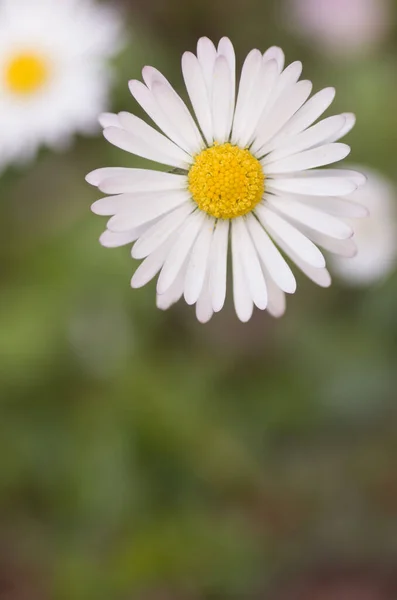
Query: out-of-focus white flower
249,174
54,76
341,26
375,236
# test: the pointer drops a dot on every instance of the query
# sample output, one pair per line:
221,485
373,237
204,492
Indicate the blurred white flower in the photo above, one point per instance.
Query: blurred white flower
375,236
249,180
54,76
341,26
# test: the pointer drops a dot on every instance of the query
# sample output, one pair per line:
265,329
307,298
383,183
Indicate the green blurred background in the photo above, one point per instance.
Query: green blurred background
145,456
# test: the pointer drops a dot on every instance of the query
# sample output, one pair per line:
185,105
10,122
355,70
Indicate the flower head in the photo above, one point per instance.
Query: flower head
245,171
53,73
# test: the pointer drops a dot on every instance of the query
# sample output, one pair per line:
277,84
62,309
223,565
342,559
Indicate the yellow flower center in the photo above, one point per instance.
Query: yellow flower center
226,181
26,73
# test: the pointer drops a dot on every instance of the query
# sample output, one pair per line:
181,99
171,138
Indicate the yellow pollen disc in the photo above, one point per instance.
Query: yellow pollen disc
226,181
26,73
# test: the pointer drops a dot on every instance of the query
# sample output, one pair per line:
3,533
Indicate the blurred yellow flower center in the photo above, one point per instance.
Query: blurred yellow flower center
226,181
26,73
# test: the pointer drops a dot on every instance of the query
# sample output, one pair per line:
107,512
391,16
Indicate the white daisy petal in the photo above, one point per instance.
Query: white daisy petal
142,208
346,248
312,186
177,113
152,264
250,262
310,159
110,239
136,145
275,53
146,100
319,276
157,233
304,117
198,262
285,83
257,101
276,304
151,137
151,75
350,121
195,85
225,48
243,303
271,258
338,207
206,54
124,180
109,120
314,136
276,117
250,72
180,251
218,265
204,310
174,292
222,102
288,236
302,214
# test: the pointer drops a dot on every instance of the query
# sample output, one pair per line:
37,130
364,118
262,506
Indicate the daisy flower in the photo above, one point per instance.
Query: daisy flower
375,237
53,73
246,170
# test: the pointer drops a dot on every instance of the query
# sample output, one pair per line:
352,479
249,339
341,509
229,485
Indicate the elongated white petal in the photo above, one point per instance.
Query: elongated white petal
275,53
151,75
276,118
131,143
338,207
222,107
302,214
288,236
196,88
143,208
243,303
225,48
180,251
314,136
271,258
174,292
310,159
109,120
257,101
204,310
198,262
110,239
312,186
151,137
285,83
350,121
249,75
218,265
346,248
304,117
178,114
152,264
156,234
206,54
250,263
276,303
146,100
97,176
124,181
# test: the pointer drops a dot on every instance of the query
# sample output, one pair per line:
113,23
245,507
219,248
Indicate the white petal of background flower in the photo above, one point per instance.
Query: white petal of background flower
375,236
75,40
